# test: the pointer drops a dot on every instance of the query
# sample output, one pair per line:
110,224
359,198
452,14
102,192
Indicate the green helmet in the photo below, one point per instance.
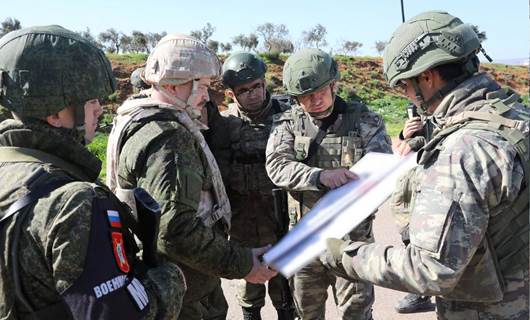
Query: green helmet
46,69
242,67
426,41
308,70
137,80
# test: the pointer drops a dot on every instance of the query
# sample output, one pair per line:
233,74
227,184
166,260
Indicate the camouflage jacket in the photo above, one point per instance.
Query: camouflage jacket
288,172
162,156
56,231
464,183
238,141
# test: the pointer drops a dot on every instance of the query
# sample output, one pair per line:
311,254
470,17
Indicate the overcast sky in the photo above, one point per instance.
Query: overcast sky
506,22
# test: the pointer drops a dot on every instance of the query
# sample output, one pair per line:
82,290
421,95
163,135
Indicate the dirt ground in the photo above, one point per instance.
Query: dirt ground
385,299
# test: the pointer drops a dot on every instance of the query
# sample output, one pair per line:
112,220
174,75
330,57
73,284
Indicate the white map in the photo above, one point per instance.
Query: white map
339,211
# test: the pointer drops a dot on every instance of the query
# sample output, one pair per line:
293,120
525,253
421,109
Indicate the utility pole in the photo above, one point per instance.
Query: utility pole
402,12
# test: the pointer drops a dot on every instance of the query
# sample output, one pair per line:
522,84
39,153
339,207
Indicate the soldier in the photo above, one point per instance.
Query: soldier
65,245
156,143
238,142
309,152
469,204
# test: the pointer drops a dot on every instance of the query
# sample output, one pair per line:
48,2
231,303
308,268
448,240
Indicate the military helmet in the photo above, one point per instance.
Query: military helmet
308,70
137,80
46,69
179,58
426,41
242,67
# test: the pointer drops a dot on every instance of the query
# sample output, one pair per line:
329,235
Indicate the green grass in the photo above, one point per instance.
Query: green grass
272,57
98,147
393,128
129,58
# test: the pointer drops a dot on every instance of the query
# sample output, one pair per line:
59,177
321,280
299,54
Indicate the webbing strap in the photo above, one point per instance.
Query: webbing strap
31,197
485,116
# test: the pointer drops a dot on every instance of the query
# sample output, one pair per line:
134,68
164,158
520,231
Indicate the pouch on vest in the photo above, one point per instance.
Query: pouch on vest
301,147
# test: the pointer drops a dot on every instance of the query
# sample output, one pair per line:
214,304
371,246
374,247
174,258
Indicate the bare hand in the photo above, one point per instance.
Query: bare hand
403,148
412,126
260,272
336,177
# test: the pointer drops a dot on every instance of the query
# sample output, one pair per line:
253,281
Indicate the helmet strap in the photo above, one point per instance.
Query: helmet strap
422,105
194,113
79,123
469,67
180,104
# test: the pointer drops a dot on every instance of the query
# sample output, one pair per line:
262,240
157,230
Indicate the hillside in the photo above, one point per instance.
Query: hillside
361,78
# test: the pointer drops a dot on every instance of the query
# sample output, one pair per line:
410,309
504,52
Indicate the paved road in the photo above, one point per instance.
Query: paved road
385,299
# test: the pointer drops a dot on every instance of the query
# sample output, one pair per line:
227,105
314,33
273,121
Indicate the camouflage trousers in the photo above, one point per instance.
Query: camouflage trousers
515,304
251,295
204,298
310,285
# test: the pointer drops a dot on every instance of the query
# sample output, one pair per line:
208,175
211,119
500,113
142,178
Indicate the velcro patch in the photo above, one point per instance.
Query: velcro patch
114,218
119,252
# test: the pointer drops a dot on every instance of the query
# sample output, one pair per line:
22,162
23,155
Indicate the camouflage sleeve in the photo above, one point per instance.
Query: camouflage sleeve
66,242
172,171
470,179
373,133
282,167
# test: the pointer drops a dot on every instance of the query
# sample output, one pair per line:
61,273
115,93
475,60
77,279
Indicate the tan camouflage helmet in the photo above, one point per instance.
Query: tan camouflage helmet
179,58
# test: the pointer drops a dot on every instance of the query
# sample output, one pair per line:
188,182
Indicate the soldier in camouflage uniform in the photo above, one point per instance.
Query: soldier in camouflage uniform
156,143
309,152
64,245
238,141
469,202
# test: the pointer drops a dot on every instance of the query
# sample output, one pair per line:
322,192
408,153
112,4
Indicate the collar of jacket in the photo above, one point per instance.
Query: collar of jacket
36,134
472,90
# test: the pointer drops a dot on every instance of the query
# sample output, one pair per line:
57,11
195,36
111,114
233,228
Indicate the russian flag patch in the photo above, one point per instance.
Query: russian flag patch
114,218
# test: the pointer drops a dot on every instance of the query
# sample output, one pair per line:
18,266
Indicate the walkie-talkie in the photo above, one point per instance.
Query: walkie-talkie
412,111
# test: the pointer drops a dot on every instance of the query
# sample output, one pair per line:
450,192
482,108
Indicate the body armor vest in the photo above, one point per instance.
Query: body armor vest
248,141
214,204
340,147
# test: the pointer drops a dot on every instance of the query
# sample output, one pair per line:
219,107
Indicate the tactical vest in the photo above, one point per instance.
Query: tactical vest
506,240
107,288
340,147
248,141
214,204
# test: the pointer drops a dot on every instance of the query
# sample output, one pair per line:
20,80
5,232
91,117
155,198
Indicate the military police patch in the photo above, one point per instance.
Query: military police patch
119,252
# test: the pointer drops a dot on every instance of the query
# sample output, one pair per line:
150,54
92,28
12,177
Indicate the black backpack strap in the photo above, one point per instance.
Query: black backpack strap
34,194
